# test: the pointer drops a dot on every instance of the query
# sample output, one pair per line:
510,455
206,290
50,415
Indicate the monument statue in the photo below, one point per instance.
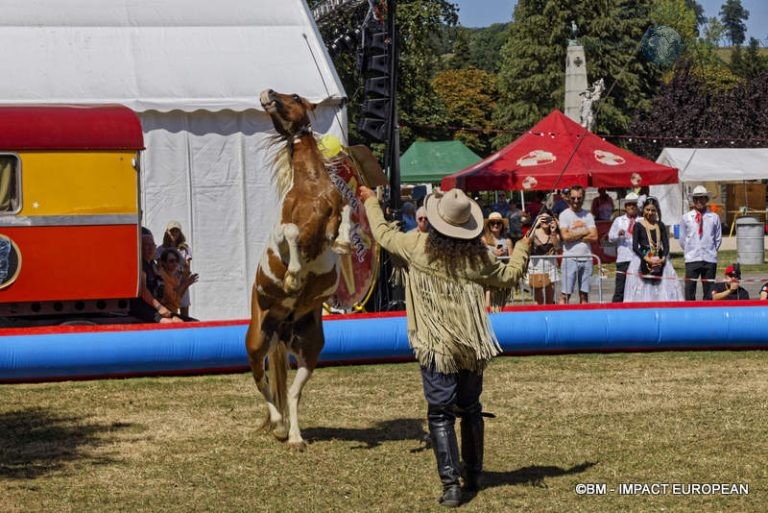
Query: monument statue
574,33
588,99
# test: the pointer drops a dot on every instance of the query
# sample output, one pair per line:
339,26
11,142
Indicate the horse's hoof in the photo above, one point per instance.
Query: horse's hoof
280,431
299,446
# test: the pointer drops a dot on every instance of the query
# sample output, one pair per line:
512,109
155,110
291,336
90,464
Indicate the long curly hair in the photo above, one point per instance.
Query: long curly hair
456,253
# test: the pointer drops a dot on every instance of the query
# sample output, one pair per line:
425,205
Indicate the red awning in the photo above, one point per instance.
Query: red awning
69,127
539,160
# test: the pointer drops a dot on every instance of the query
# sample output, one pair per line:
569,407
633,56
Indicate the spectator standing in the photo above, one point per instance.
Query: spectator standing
500,244
174,238
731,288
602,206
700,238
651,277
422,223
764,291
621,233
578,231
542,272
559,202
534,206
409,216
448,328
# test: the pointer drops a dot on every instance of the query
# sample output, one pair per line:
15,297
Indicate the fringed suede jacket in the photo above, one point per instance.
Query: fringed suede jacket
447,321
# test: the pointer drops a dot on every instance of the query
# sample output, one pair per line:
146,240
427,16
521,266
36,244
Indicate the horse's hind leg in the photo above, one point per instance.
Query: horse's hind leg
257,347
309,338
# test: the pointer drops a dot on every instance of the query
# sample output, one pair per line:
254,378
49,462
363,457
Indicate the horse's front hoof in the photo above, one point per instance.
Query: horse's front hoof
299,446
280,431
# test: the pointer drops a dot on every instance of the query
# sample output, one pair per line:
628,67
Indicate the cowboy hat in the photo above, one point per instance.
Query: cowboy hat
454,214
631,198
700,190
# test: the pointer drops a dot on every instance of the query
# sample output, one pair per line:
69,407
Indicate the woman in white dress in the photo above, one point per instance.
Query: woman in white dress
651,277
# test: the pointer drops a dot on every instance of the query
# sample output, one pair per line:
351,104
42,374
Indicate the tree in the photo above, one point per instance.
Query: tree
469,96
485,45
748,63
419,25
531,79
733,16
714,32
698,10
461,57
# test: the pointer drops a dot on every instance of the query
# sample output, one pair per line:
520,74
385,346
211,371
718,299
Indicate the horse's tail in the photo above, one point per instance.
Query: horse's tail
277,367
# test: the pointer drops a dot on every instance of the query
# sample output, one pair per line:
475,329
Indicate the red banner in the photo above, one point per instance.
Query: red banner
359,267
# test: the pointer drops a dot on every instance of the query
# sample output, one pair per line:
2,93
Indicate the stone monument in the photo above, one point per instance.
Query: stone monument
575,75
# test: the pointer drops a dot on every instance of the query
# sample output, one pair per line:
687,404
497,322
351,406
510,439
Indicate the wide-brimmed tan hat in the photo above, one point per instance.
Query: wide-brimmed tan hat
454,214
173,224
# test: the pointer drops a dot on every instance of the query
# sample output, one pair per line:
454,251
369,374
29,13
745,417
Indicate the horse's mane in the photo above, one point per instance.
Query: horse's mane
282,172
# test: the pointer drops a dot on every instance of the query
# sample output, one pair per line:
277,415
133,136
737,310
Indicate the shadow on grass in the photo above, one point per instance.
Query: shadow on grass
38,441
532,476
385,431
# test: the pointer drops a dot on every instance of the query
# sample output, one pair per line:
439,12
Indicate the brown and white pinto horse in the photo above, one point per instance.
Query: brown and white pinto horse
299,269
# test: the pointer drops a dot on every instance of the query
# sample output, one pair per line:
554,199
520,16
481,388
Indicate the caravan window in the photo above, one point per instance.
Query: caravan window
9,184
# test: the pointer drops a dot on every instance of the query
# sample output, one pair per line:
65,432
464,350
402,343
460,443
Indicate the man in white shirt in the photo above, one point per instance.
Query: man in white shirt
578,231
700,238
621,233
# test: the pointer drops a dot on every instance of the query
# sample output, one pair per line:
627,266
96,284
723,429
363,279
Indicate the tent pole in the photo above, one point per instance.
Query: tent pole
522,201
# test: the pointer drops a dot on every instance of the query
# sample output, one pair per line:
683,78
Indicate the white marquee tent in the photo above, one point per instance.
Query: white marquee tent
697,166
192,70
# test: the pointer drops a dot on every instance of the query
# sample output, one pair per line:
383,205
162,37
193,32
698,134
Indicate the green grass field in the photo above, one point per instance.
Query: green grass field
191,444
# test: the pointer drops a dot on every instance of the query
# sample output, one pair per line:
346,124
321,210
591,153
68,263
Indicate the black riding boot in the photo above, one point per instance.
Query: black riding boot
446,448
472,440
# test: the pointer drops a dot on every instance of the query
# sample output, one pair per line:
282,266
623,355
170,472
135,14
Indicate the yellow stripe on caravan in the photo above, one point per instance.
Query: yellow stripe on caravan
78,182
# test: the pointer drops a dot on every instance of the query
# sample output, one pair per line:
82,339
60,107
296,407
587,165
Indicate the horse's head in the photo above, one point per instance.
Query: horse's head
289,112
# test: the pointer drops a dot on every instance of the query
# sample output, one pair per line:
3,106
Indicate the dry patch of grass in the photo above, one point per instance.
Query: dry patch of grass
191,444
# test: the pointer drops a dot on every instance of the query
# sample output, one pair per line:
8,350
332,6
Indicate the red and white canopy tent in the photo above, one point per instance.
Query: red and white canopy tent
539,160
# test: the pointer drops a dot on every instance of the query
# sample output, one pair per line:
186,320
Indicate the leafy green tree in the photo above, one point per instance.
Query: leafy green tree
753,63
485,45
461,57
678,14
469,96
733,15
714,32
419,24
531,79
698,10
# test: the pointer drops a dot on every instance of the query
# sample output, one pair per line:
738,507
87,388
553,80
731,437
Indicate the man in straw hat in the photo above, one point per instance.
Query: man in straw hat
448,327
700,238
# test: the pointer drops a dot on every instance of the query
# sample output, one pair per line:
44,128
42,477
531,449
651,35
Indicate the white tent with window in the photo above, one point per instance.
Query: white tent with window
193,71
699,165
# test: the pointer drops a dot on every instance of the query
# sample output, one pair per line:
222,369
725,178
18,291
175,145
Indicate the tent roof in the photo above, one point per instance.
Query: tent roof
425,162
543,158
717,164
174,54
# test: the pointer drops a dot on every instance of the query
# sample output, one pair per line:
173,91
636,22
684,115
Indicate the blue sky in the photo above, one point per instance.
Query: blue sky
481,13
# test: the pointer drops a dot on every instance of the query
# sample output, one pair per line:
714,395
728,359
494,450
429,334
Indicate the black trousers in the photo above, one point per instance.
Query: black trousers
451,391
621,280
693,272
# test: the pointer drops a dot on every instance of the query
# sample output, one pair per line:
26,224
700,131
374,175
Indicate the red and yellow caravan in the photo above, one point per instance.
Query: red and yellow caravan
69,209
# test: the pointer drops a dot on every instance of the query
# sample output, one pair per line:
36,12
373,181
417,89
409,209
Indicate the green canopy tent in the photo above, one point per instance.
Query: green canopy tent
429,162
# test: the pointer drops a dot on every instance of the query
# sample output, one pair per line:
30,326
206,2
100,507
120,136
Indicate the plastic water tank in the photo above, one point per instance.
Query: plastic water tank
750,244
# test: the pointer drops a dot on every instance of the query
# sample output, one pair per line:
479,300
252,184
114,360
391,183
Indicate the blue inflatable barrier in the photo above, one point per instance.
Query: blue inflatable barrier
119,351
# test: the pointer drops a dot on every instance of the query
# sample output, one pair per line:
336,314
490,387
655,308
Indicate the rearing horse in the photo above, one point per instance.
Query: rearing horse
299,269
